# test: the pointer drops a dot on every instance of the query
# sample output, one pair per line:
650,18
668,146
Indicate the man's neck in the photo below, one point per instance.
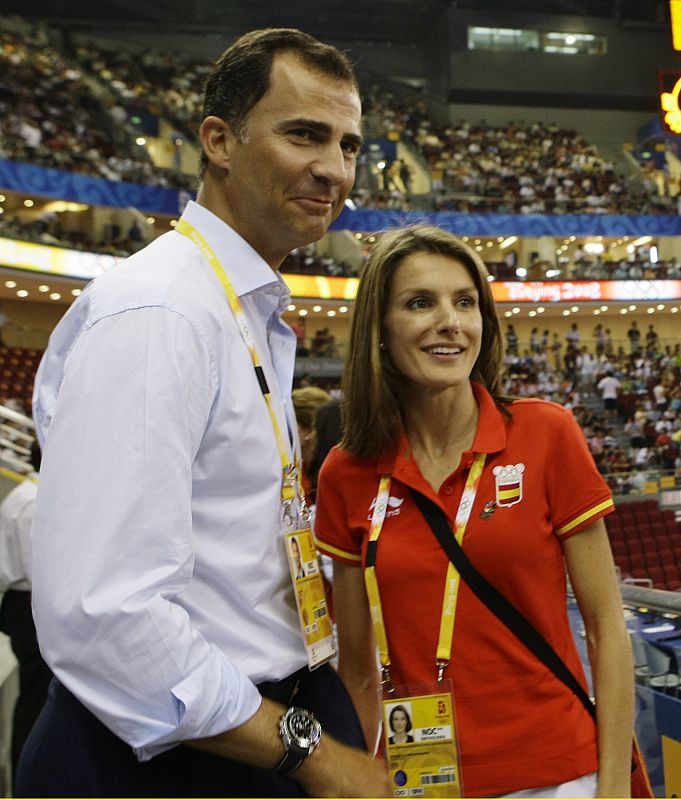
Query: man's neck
210,197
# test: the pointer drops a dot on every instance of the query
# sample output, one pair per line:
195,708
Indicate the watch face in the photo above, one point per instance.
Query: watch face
303,728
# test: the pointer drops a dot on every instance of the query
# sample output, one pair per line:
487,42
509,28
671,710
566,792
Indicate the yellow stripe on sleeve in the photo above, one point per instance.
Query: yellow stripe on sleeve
335,551
585,516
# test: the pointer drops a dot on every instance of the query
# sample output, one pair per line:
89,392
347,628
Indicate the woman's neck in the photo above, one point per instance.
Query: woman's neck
440,427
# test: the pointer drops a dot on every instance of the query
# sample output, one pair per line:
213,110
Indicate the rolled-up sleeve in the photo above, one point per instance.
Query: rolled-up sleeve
112,537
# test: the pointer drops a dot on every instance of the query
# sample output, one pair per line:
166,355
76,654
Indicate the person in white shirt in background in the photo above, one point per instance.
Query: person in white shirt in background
16,619
162,594
609,388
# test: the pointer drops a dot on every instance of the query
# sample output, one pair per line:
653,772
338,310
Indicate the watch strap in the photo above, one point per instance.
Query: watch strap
291,760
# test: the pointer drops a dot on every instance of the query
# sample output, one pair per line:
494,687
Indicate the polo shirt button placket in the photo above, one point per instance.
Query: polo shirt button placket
448,490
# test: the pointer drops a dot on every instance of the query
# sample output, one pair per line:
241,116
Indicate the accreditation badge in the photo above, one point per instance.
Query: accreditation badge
308,588
420,742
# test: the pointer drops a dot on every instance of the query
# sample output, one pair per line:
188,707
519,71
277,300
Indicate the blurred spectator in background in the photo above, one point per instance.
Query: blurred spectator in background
16,617
306,401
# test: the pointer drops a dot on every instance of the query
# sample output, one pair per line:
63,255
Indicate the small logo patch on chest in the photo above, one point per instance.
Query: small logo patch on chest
394,509
509,484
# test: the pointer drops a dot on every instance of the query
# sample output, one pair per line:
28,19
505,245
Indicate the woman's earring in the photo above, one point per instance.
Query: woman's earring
381,345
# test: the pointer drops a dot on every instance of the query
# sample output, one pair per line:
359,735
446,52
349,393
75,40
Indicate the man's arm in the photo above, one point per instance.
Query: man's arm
113,539
333,769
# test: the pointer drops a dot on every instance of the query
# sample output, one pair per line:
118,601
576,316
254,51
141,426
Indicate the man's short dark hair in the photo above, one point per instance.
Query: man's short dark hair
241,76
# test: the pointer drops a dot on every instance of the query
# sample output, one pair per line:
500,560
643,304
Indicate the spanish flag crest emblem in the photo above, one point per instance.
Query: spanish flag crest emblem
509,484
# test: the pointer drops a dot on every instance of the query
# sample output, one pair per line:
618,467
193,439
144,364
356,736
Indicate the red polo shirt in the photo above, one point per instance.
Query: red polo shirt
519,727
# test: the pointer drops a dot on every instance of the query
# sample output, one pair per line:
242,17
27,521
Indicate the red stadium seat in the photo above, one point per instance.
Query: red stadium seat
656,575
637,561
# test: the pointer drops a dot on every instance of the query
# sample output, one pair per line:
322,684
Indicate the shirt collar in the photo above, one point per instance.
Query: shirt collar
246,268
490,436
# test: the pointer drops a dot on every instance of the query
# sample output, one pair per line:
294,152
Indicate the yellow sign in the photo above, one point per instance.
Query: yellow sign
671,761
57,260
670,104
675,10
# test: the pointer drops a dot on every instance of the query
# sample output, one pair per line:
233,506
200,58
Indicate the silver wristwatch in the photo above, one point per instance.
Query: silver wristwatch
301,733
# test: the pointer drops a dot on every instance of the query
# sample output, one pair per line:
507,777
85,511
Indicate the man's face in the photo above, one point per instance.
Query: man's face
293,166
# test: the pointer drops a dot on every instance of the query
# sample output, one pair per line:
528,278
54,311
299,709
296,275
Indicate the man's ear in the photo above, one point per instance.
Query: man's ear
217,140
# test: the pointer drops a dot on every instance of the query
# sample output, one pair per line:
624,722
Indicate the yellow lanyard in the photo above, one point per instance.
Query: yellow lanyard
451,592
291,479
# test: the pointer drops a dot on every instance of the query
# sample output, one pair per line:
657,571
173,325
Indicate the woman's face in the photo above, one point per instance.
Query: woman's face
433,324
399,721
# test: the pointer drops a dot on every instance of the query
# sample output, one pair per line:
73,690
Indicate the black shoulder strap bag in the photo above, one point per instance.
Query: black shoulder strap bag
518,624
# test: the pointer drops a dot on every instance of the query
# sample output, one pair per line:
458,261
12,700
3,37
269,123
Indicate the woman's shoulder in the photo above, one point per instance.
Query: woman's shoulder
535,409
340,460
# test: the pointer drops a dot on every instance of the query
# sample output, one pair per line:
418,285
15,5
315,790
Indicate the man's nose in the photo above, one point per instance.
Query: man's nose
332,166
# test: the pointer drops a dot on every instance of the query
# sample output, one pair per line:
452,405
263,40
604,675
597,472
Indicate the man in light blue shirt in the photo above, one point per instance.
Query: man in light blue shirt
162,595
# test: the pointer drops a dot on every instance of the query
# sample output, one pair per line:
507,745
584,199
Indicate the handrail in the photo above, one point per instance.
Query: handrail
659,600
15,416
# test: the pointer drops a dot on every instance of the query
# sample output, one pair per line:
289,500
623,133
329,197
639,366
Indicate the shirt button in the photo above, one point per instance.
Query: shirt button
449,490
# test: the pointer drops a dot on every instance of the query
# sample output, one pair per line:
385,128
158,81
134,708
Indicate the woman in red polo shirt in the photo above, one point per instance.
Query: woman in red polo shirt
423,404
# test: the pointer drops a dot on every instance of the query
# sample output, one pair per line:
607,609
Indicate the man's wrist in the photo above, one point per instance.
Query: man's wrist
300,735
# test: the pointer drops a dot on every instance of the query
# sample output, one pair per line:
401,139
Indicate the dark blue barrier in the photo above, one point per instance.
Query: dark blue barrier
21,177
371,220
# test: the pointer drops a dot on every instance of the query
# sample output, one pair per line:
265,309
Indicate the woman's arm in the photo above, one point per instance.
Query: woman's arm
357,663
592,574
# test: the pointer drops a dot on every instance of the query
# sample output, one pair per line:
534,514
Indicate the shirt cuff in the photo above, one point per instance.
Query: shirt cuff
241,701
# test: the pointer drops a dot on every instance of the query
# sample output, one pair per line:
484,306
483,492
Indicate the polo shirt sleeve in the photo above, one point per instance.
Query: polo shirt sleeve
578,494
335,533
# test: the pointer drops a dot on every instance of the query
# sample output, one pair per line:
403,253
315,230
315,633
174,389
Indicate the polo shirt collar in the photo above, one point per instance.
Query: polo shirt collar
490,436
246,268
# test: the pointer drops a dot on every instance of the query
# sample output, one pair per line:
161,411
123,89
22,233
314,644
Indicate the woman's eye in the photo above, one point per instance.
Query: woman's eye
418,302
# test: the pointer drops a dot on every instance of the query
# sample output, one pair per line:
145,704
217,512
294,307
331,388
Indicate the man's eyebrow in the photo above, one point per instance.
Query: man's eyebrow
309,124
354,139
321,127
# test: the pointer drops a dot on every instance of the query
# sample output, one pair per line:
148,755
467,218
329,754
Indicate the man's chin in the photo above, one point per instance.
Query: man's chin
315,227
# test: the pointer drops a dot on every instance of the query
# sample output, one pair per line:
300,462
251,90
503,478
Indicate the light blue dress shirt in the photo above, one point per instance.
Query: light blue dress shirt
161,588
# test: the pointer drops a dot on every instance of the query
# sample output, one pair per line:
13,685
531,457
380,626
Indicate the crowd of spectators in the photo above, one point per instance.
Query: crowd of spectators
71,108
635,267
305,261
159,82
48,230
515,168
50,116
642,434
